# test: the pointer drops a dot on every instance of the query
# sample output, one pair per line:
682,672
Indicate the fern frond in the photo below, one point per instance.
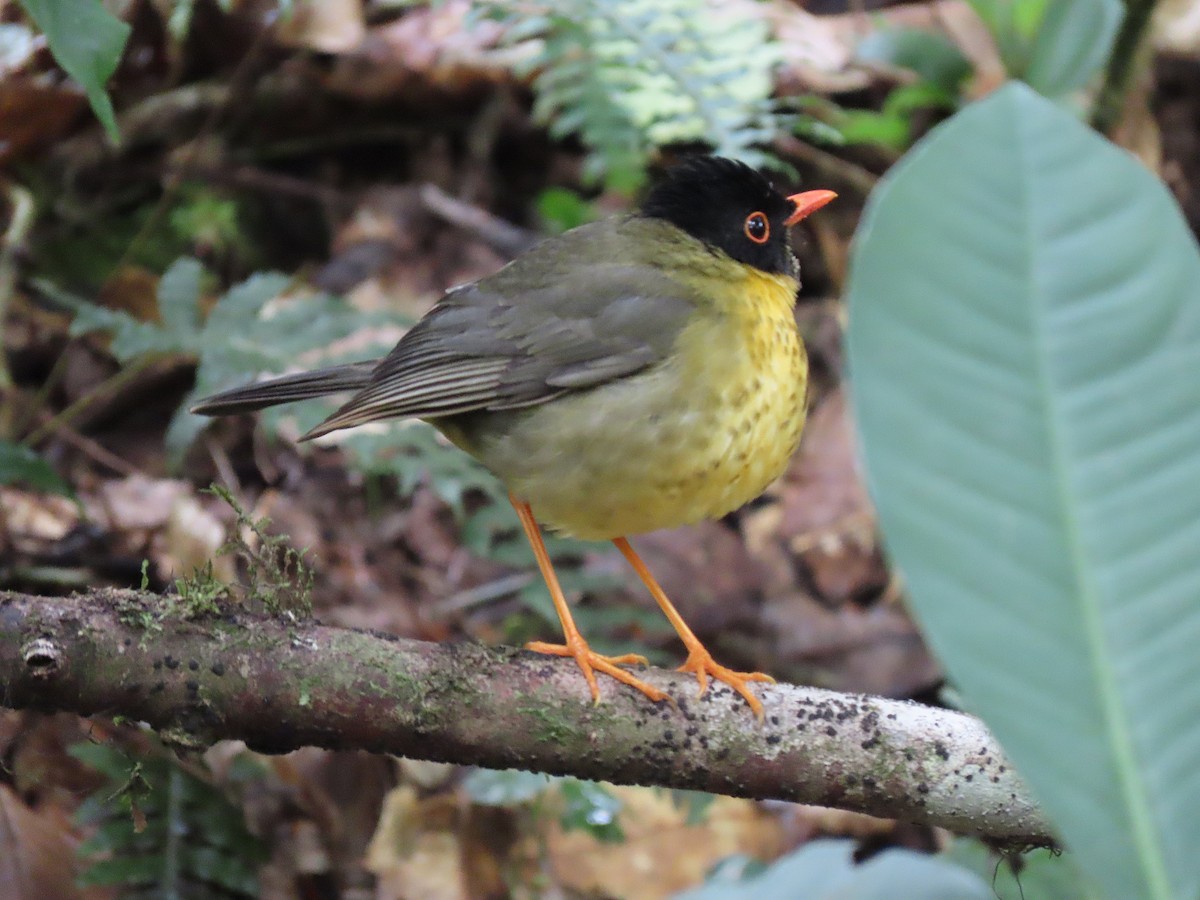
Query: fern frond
631,76
254,327
159,831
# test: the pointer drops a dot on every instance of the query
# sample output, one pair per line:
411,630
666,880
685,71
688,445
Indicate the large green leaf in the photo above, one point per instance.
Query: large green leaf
826,870
1072,44
1056,47
932,56
1024,347
1013,25
239,336
88,42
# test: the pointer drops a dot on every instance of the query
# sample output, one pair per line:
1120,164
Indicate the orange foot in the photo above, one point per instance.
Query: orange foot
590,662
700,662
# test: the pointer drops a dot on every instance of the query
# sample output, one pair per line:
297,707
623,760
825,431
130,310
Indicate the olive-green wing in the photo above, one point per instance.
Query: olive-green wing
524,336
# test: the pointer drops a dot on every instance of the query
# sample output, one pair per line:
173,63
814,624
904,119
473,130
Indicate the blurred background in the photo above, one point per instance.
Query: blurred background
293,185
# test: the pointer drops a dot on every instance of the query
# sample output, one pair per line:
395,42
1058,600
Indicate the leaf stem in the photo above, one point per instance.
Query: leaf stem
74,410
21,219
1106,114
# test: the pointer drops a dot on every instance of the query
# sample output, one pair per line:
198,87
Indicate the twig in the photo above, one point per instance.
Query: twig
94,450
226,474
107,388
484,593
862,180
279,685
252,178
20,218
505,237
22,419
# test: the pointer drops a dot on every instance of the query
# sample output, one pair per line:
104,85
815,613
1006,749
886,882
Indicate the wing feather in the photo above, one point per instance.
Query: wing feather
567,317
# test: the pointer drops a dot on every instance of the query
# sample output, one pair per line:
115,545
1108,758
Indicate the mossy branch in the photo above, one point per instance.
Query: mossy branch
279,685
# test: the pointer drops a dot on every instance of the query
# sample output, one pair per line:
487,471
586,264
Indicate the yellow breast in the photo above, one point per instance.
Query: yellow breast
757,392
692,438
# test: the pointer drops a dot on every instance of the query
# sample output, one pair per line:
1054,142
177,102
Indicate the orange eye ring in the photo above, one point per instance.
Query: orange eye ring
757,228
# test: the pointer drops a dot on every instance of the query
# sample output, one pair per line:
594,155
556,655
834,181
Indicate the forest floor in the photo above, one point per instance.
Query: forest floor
384,157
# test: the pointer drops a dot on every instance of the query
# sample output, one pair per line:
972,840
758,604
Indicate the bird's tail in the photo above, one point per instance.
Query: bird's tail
288,388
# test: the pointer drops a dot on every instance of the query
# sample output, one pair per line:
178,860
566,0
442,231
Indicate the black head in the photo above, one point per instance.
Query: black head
730,207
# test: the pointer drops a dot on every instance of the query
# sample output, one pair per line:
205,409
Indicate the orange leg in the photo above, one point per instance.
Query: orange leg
699,659
575,646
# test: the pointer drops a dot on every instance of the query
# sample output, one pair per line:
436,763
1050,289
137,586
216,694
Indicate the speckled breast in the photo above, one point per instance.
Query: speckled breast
692,438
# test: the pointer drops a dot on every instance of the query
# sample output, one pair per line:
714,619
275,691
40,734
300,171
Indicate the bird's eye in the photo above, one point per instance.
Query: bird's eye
757,228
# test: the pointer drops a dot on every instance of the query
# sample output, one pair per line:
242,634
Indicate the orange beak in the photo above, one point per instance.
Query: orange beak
807,203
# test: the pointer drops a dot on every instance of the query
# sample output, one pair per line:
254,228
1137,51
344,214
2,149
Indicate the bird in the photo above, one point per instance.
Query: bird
636,373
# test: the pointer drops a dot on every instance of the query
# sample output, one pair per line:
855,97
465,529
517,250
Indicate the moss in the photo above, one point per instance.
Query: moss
396,685
553,722
278,578
34,625
200,595
181,739
305,687
235,636
140,611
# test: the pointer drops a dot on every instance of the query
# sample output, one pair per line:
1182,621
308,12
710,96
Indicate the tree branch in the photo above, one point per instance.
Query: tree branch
279,685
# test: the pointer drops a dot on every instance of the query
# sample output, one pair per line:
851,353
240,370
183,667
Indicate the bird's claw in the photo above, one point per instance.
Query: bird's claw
591,662
702,665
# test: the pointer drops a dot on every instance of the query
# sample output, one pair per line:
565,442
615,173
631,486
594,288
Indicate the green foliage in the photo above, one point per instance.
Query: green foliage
1023,337
277,576
148,228
205,219
826,870
136,612
245,332
178,304
22,465
162,832
505,787
413,452
1073,43
891,126
696,803
201,593
588,806
561,209
1056,47
630,76
585,805
941,70
84,252
87,41
934,58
